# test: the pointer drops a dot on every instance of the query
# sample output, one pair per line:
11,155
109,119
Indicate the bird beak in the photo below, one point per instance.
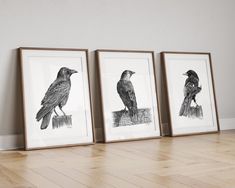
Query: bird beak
185,74
132,72
73,71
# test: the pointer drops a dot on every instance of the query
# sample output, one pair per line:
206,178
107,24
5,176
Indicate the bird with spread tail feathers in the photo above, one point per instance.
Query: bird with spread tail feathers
126,92
191,89
56,95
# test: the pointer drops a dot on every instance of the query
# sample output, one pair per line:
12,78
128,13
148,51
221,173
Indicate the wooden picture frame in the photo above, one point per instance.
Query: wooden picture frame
191,99
115,69
64,117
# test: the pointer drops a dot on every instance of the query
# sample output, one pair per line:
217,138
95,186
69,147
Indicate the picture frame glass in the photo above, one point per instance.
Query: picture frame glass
123,98
56,98
191,94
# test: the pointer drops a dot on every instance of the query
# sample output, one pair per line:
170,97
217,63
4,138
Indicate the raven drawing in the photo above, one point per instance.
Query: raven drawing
191,89
56,95
126,92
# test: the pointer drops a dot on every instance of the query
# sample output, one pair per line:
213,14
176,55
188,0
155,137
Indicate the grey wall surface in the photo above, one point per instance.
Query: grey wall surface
159,25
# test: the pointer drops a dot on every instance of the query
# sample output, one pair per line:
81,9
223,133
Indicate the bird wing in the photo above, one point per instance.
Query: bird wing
54,95
51,89
188,88
56,88
126,92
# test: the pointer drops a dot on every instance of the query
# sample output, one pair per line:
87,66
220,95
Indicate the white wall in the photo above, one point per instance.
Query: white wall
182,25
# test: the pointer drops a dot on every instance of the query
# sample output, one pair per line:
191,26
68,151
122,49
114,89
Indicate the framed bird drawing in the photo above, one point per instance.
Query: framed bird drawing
191,93
129,96
56,97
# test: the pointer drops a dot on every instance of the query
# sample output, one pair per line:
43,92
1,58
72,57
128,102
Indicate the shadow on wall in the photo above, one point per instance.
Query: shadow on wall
162,93
12,113
96,97
19,109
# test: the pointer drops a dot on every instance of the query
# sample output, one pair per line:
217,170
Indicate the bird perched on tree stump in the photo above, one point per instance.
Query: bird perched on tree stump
126,92
191,89
56,95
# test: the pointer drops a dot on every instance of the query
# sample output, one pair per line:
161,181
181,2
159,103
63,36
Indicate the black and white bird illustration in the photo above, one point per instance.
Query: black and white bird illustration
126,92
56,95
191,89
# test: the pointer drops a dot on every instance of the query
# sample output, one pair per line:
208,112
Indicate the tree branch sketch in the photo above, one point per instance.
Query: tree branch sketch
130,115
191,89
56,96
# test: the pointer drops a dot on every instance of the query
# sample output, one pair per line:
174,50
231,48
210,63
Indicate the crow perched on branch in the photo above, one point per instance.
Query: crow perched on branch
56,95
126,91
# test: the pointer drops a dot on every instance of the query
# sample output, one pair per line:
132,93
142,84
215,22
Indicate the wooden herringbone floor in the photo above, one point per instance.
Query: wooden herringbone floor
193,161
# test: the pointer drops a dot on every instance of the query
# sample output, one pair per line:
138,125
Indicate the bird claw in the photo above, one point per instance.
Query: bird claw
124,111
63,112
56,113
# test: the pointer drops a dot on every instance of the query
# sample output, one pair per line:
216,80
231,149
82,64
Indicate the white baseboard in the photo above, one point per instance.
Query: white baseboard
13,141
227,123
16,141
